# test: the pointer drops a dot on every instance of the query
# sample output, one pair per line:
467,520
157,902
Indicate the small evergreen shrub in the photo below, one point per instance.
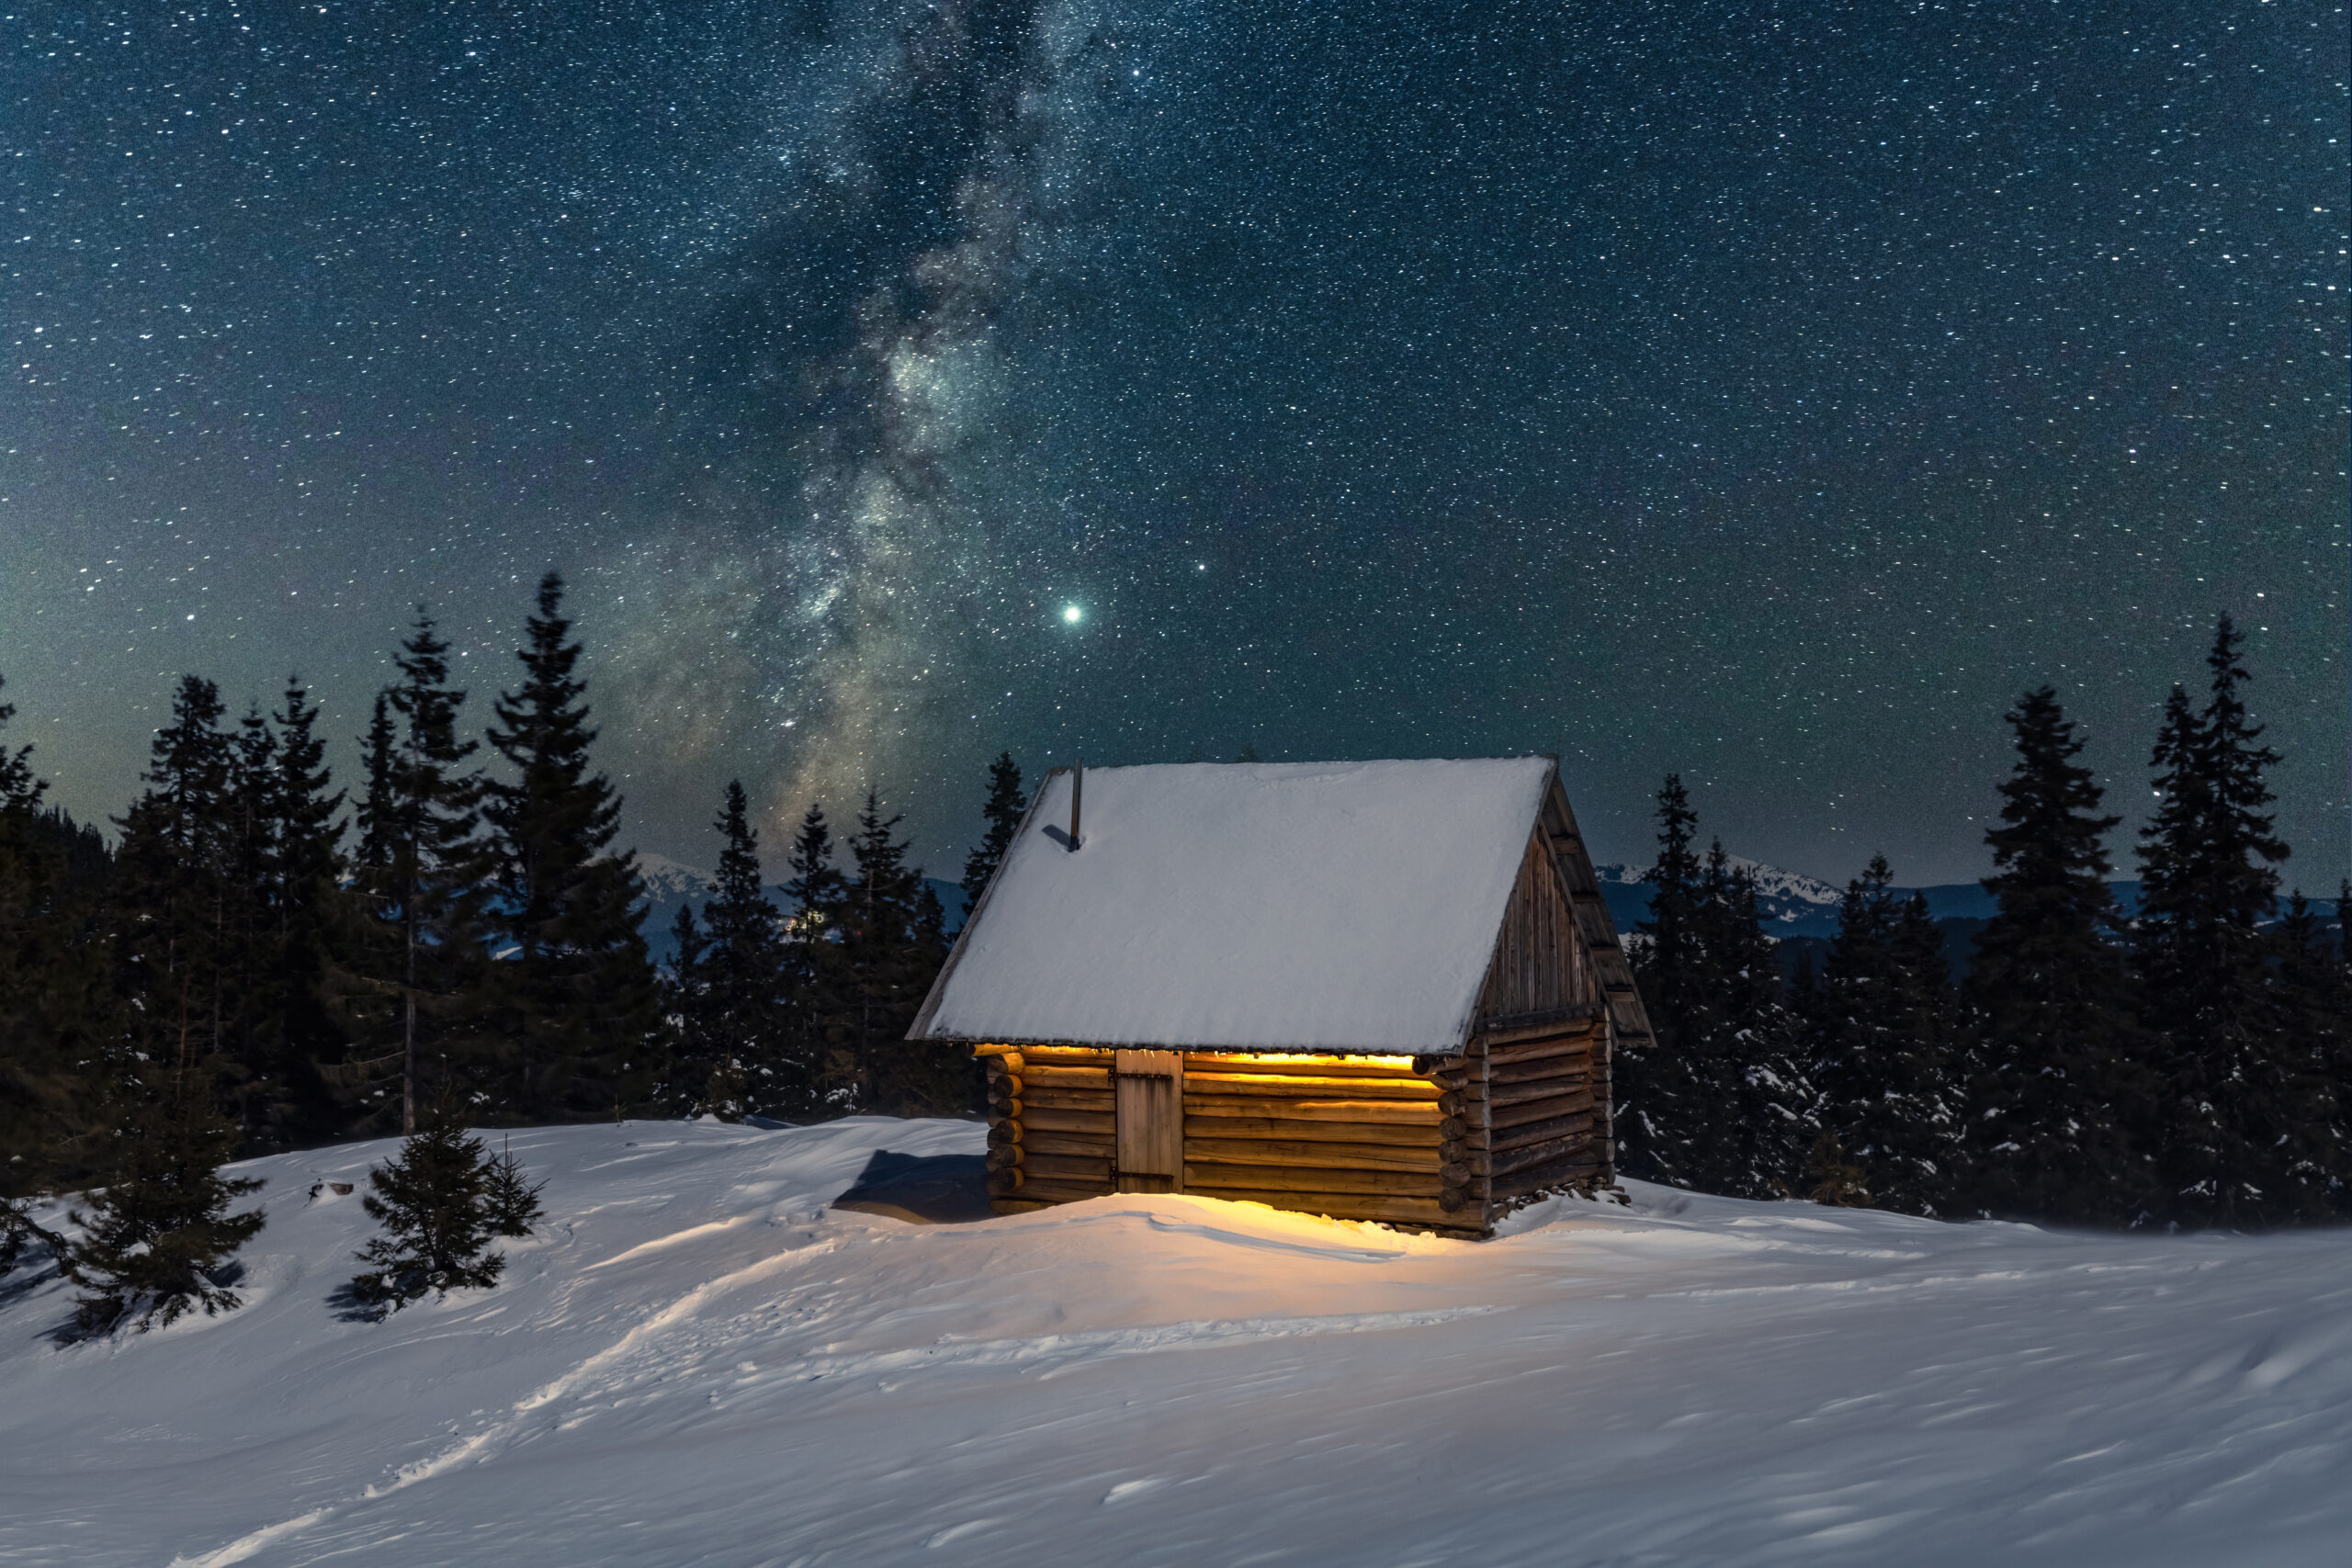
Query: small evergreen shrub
158,1240
510,1201
440,1203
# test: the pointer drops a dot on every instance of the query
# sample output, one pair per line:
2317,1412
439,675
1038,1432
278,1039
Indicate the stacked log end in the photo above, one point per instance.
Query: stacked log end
1005,1086
1050,1126
1462,1155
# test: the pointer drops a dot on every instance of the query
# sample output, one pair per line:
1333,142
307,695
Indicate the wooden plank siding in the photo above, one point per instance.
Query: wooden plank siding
1149,1133
1544,1045
1540,964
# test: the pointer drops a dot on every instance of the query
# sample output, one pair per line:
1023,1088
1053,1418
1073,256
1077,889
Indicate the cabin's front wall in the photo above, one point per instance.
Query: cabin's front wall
1354,1137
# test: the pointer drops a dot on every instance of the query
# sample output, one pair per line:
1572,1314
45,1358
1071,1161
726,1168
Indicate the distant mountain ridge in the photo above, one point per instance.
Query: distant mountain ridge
669,884
1792,903
1795,905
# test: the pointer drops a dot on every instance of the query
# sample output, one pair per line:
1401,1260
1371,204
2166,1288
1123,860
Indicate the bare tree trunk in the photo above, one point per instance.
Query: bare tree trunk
408,1034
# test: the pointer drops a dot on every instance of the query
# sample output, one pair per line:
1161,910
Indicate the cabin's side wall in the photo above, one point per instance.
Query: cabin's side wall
1353,1137
1536,1076
1613,974
1540,964
1546,1107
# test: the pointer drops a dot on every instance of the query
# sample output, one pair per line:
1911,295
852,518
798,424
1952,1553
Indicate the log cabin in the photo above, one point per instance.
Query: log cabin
1383,991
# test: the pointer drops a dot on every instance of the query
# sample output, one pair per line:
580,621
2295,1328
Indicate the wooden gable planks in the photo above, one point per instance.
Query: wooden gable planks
1629,1018
1539,966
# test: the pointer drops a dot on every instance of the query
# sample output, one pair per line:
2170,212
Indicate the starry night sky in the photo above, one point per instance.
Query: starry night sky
1768,392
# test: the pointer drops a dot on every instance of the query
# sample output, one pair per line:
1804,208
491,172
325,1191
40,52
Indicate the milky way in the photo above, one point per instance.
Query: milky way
853,334
1767,393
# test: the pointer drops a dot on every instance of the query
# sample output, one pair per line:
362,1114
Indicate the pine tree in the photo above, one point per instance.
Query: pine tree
891,947
379,810
1722,1100
2238,1142
1706,1031
280,860
57,1011
577,995
429,888
1002,812
28,873
435,1205
2335,987
2052,1090
1764,1112
683,987
361,978
1928,1137
89,861
255,981
1831,1178
2314,1009
2340,992
814,978
158,1238
510,1198
251,982
1886,1045
306,901
172,895
733,1049
1659,1084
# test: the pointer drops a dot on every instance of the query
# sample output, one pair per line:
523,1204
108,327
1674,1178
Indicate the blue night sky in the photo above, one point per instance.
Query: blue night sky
1768,392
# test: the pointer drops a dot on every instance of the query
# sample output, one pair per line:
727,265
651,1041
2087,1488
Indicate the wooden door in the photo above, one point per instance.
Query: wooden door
1149,1088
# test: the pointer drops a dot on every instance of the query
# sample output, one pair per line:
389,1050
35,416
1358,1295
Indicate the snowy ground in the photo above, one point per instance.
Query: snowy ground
699,1364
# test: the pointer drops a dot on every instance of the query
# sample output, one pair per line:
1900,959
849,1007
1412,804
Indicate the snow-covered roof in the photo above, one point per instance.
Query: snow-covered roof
1245,906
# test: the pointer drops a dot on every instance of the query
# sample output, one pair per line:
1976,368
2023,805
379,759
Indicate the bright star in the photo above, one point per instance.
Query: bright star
1072,613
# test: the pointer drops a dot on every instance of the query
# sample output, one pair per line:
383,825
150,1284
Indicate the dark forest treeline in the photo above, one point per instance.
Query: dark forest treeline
270,959
2190,1066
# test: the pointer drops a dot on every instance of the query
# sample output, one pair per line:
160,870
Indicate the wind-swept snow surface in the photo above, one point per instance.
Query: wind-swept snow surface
699,1364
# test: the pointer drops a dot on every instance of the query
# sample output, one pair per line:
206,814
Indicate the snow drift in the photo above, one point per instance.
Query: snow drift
699,1363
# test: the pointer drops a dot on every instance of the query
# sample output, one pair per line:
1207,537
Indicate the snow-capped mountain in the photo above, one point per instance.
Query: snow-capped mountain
672,882
1771,881
1791,903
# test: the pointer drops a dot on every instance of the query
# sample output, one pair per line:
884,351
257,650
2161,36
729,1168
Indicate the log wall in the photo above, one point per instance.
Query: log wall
1546,1105
1538,1067
1449,1141
1355,1137
1053,1126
